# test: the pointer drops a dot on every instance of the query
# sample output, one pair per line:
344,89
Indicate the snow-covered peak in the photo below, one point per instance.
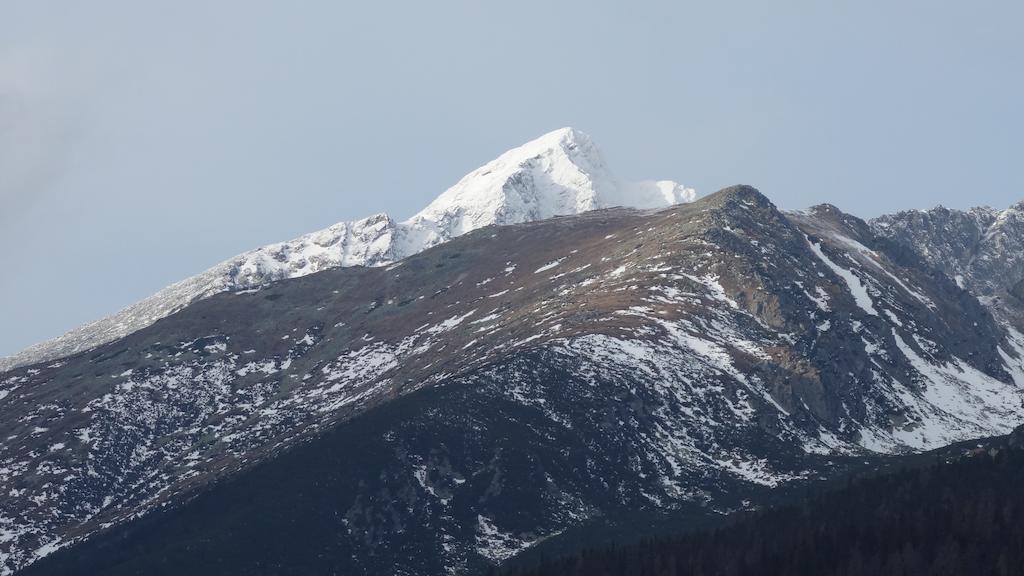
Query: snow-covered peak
560,173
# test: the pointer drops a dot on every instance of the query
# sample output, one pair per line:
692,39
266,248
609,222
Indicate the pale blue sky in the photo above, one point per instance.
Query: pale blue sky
141,142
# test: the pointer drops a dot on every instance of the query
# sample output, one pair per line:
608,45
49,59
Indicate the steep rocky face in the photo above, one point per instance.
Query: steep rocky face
560,173
981,249
947,239
518,381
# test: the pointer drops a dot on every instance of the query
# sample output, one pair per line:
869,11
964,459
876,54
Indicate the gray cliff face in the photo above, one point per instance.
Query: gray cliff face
470,401
947,239
983,247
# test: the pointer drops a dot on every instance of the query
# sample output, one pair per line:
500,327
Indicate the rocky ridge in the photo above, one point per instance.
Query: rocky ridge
560,173
691,357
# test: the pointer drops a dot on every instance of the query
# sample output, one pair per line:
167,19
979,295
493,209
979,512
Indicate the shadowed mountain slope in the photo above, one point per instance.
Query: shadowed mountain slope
449,411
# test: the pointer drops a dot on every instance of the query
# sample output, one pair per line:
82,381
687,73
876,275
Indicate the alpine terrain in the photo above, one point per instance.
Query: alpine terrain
557,174
957,510
543,354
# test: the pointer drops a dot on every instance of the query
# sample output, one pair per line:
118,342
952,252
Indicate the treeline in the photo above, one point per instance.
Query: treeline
955,518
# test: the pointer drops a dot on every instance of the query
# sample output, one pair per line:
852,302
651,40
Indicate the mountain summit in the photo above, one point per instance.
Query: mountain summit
558,174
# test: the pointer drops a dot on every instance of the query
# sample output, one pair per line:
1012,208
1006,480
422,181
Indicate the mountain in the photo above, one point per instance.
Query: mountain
499,391
959,511
559,173
982,249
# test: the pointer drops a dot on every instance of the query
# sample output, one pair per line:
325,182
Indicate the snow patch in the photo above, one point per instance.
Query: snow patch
857,288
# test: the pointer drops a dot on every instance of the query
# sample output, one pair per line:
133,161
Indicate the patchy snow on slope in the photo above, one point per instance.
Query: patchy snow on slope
820,297
955,398
548,266
1015,363
495,545
755,471
874,259
857,288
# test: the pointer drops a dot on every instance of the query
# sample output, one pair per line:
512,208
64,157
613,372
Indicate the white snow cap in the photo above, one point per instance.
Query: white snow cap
560,173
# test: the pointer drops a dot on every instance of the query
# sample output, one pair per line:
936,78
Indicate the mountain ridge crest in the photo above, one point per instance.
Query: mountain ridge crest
560,173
